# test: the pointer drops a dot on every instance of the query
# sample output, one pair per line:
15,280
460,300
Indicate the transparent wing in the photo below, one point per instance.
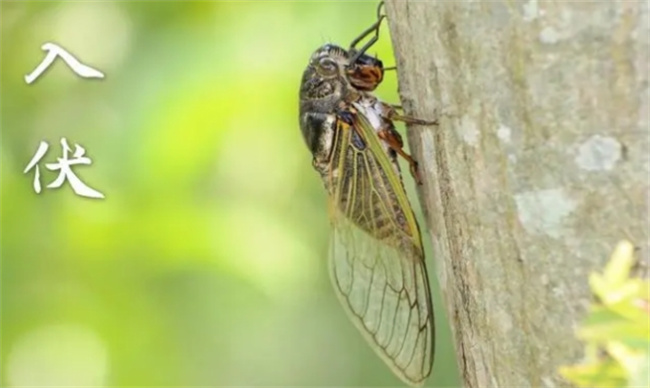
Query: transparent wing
376,257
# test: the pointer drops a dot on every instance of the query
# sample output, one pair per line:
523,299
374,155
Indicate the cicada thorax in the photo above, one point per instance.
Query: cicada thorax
326,106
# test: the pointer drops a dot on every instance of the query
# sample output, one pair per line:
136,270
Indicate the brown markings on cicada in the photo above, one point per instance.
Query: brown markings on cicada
396,145
366,74
393,139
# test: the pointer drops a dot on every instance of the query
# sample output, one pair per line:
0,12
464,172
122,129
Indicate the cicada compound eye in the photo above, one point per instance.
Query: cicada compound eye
327,66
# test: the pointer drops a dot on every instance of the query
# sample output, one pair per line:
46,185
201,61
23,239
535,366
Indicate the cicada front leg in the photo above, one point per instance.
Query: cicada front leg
393,139
390,112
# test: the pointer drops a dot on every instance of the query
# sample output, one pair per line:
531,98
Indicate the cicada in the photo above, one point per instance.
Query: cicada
376,257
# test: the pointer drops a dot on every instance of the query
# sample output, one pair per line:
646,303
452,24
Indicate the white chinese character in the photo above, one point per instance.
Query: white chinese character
64,165
54,50
40,152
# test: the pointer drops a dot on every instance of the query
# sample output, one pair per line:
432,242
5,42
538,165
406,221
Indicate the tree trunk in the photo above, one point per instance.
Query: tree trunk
539,166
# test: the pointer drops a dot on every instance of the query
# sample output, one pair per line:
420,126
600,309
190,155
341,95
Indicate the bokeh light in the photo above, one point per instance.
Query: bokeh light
206,262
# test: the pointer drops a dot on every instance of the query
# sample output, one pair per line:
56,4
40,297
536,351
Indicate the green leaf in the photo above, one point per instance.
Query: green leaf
619,325
596,374
641,376
604,325
618,269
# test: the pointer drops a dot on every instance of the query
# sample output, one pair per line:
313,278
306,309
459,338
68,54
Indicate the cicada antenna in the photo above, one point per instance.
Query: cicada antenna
373,28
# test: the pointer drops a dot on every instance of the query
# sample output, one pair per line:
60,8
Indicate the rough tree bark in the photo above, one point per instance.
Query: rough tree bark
539,167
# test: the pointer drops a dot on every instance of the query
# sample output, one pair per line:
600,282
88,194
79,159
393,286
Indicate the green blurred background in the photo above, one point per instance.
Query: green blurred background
206,262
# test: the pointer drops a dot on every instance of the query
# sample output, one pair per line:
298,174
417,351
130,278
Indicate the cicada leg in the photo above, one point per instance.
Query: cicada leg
393,139
390,112
373,28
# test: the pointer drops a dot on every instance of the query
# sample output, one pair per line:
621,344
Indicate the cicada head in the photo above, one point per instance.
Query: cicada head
325,74
329,82
330,70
